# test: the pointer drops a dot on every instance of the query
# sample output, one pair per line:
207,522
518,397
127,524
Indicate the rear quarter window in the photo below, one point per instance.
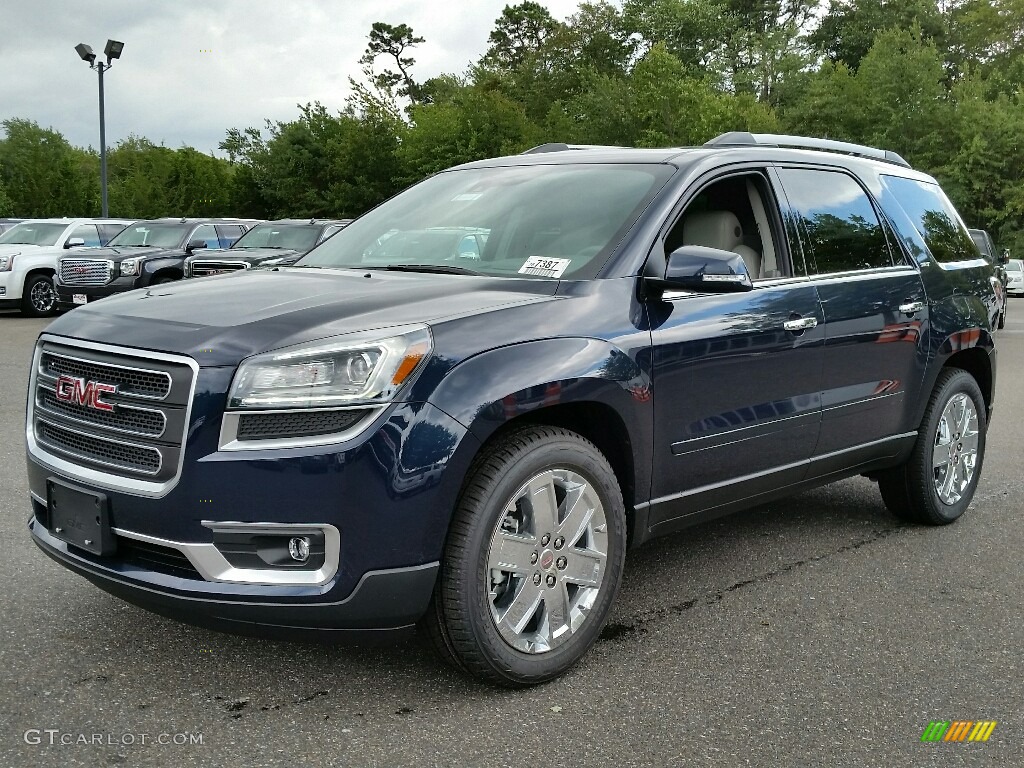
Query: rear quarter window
926,220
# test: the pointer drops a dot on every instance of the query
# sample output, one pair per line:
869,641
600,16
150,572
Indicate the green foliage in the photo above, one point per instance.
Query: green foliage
6,204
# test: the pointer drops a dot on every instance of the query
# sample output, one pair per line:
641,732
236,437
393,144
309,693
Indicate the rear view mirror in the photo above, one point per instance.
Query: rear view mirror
194,245
74,242
705,270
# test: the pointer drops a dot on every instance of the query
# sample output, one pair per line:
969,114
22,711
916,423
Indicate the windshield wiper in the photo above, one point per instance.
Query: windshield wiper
441,269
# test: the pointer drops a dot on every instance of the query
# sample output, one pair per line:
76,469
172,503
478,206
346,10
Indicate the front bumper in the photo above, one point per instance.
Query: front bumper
10,289
66,293
1015,290
390,599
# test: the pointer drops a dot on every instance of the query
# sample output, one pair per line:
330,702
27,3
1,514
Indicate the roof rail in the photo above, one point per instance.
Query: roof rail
556,146
745,138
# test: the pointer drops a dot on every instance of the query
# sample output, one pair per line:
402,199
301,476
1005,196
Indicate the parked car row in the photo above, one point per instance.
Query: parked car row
29,251
983,240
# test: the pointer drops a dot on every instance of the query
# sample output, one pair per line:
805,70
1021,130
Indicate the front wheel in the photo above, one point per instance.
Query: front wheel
40,297
533,560
938,481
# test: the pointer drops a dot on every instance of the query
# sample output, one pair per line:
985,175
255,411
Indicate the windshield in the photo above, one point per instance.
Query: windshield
543,221
294,237
33,234
153,235
1014,266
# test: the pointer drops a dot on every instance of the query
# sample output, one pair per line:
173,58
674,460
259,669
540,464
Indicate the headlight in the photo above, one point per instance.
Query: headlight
7,262
357,368
130,267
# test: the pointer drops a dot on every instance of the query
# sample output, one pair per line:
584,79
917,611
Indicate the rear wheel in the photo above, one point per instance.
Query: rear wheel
936,484
533,560
39,298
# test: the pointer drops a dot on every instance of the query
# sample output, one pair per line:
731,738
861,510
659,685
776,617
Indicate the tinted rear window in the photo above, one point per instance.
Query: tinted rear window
922,212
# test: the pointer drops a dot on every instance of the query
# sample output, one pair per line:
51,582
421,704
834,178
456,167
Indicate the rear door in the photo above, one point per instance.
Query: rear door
875,313
736,375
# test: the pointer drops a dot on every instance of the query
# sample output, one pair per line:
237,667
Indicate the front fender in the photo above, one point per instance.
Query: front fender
491,389
150,267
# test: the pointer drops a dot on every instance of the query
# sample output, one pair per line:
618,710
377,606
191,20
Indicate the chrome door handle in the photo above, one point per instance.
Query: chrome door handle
911,307
800,323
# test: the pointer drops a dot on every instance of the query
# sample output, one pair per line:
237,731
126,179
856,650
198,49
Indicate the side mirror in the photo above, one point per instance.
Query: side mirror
195,245
75,242
704,270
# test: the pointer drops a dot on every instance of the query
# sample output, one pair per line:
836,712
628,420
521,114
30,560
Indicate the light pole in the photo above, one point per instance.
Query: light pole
112,51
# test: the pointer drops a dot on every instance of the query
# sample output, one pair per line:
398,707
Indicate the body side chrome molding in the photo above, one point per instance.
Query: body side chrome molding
772,471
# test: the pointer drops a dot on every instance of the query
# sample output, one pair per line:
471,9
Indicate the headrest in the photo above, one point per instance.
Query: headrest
714,229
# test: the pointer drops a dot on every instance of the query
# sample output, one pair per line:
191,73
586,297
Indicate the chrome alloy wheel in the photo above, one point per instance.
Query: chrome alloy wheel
955,451
42,296
546,561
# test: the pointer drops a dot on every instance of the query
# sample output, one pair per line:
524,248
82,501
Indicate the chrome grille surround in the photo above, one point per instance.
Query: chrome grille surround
207,267
138,448
86,271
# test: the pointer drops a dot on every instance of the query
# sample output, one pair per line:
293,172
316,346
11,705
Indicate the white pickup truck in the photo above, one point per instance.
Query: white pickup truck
28,258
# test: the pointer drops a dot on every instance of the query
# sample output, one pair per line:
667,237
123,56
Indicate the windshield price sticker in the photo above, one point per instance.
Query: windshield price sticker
544,267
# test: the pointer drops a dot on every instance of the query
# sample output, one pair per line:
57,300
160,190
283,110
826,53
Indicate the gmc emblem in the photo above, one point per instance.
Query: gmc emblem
72,389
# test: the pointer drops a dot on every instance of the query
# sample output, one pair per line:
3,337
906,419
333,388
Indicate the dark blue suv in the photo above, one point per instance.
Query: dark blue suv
470,438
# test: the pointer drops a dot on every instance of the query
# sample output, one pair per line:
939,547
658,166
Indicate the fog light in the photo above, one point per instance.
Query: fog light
298,548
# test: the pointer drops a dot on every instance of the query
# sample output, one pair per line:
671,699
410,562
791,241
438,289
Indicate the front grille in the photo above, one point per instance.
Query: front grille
137,421
207,268
84,272
98,449
271,426
129,381
140,438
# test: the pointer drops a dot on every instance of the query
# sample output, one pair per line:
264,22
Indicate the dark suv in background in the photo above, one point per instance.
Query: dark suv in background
144,253
647,339
983,240
274,243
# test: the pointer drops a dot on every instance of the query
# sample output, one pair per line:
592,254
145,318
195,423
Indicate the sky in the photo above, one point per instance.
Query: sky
191,69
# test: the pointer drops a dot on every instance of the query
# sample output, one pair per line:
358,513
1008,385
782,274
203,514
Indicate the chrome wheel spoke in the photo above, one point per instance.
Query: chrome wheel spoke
523,607
543,505
578,516
940,456
556,608
513,553
584,568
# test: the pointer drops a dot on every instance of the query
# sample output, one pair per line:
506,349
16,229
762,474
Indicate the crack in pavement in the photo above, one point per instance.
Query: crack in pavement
638,624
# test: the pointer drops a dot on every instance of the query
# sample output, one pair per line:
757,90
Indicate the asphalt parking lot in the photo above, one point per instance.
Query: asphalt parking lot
817,631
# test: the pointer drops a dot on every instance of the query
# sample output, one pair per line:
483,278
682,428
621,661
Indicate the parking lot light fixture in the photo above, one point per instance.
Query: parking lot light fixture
112,50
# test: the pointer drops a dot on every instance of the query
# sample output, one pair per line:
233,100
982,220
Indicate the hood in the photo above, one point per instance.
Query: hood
119,254
220,320
6,249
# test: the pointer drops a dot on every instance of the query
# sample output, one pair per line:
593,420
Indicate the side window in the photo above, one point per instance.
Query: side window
468,248
207,233
88,233
836,221
927,214
734,214
229,233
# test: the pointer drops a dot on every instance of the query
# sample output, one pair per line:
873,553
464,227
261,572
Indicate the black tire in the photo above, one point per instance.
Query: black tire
459,621
909,490
39,298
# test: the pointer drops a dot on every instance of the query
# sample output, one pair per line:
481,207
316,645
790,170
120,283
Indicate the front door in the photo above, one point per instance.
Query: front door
736,376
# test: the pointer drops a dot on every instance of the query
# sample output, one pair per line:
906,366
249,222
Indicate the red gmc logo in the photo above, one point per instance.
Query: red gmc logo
71,389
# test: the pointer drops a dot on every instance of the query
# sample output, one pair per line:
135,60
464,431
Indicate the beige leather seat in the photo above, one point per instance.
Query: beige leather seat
721,230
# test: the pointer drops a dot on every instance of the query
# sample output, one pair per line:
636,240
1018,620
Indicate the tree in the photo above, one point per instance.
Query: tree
44,175
519,34
392,41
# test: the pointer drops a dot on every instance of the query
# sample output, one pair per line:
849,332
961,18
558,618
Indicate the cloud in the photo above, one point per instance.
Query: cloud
190,71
